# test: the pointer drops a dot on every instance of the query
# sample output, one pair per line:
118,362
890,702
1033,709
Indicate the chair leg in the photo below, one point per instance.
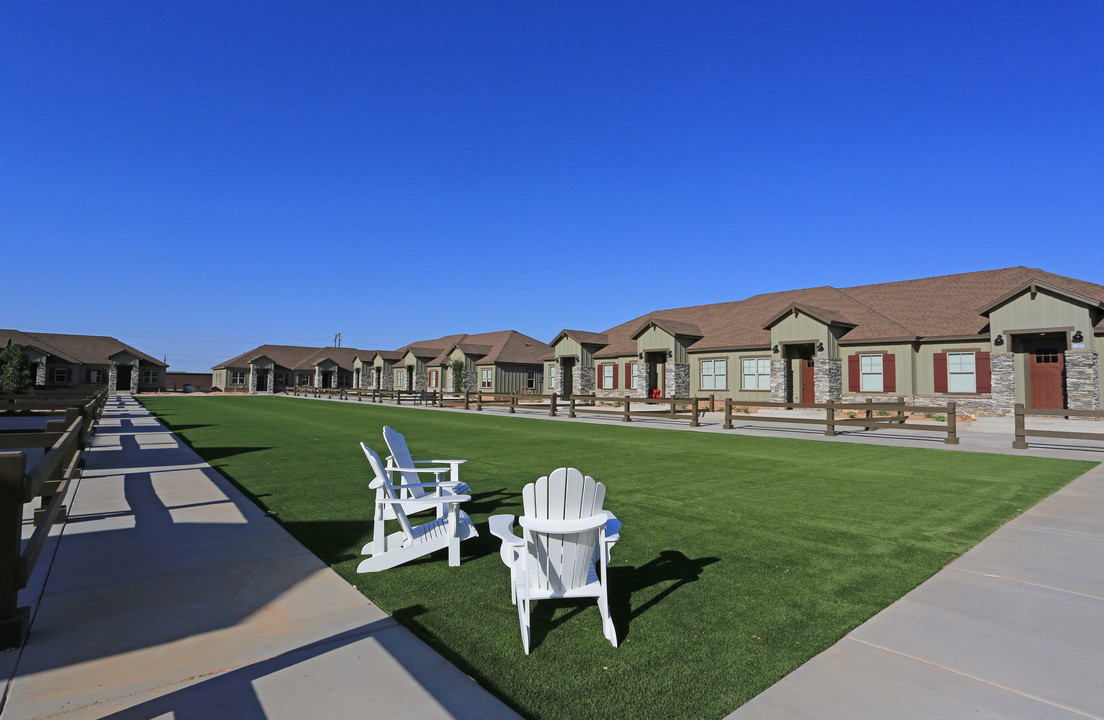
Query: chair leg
523,618
607,620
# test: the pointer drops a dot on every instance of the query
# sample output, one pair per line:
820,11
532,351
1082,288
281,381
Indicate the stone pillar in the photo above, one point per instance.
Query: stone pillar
387,379
827,379
471,381
112,377
317,377
421,381
252,380
642,370
40,373
779,379
677,379
1002,369
135,377
583,380
1082,380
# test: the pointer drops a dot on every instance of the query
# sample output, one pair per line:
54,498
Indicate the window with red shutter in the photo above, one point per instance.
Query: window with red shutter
853,373
889,372
939,363
628,375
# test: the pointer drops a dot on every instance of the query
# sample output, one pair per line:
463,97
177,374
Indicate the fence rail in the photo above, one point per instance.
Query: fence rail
894,416
63,440
1022,433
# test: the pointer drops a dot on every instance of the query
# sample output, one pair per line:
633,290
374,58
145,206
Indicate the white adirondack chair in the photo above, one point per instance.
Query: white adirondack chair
413,489
565,545
451,526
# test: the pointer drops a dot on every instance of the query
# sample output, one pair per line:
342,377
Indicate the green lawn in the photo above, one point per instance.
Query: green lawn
740,557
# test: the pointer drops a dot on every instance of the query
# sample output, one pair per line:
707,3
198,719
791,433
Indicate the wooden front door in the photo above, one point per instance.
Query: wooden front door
807,385
122,377
1047,377
262,380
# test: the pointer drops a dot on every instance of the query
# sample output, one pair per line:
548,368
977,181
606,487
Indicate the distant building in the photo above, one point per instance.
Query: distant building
187,382
74,360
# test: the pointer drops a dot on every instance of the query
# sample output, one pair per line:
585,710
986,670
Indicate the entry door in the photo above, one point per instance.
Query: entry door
262,381
122,377
807,387
568,378
1048,372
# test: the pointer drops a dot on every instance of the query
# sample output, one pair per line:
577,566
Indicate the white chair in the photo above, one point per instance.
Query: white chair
565,546
448,530
413,489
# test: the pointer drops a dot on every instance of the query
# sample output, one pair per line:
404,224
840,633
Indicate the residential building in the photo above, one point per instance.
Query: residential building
75,360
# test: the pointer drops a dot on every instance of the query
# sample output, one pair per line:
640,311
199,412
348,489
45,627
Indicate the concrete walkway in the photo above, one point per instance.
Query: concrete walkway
168,594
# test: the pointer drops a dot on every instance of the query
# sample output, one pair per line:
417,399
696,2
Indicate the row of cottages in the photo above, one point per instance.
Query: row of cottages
505,361
985,340
59,361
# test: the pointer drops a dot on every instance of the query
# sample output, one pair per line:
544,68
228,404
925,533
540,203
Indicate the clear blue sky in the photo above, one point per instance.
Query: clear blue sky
200,178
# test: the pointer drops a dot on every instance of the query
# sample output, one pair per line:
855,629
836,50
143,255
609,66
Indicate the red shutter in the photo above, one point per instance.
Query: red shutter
939,362
601,376
889,372
852,373
628,375
614,373
984,374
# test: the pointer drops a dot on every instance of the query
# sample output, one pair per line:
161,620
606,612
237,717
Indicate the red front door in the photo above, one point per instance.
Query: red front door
807,393
1047,378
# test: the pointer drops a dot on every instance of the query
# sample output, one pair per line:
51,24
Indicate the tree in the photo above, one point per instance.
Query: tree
15,371
457,375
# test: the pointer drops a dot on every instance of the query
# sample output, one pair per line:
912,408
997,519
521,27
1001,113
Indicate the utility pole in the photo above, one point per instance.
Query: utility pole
337,340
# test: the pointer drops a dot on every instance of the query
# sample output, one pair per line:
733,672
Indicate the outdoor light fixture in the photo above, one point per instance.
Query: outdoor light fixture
670,354
820,347
998,340
640,356
1078,337
774,349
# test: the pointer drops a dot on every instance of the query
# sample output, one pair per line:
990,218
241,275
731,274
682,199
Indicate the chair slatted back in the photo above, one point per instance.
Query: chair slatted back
382,485
561,562
396,445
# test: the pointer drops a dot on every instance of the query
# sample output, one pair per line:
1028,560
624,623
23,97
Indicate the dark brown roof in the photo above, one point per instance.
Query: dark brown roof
582,337
504,346
289,356
83,349
674,327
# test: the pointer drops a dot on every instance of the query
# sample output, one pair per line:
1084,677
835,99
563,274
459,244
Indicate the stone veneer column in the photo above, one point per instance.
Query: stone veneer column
1082,380
421,381
642,370
471,381
552,380
827,379
677,379
40,373
387,380
1002,369
252,380
584,381
112,377
779,379
135,377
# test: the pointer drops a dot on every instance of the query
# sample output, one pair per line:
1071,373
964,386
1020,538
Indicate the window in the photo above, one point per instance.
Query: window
531,380
486,377
400,379
95,375
961,372
281,378
237,377
634,383
609,372
714,374
434,375
870,373
149,377
756,373
304,379
61,375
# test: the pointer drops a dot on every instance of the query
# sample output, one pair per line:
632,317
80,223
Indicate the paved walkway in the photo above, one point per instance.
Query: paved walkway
169,595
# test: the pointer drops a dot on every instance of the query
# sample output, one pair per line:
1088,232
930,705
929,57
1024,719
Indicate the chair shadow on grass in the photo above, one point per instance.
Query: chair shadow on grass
671,568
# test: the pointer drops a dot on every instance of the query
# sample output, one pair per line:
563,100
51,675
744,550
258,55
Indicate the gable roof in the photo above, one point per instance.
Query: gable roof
289,356
81,349
504,346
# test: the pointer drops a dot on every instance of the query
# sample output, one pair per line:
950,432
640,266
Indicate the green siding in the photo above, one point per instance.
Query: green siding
1042,312
802,328
734,372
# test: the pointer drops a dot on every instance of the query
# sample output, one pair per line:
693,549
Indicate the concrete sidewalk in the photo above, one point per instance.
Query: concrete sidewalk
168,594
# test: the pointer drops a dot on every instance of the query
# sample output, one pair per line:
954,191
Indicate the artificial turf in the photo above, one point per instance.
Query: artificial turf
740,557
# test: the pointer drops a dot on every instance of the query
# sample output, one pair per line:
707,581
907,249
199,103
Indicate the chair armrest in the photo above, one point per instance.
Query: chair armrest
557,527
393,468
613,527
449,462
427,500
502,527
446,484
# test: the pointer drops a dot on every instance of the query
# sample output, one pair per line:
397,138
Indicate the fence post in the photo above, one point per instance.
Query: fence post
552,411
952,425
694,419
571,407
869,415
13,619
479,402
728,414
467,399
513,403
626,417
1020,443
900,410
830,421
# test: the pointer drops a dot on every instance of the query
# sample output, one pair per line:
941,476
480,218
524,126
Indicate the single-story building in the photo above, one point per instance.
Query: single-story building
187,381
273,368
94,360
984,339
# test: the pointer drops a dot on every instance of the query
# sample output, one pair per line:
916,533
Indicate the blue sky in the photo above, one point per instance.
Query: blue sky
200,178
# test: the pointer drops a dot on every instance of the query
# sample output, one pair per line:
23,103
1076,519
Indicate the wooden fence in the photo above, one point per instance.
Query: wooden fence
63,440
1022,433
892,415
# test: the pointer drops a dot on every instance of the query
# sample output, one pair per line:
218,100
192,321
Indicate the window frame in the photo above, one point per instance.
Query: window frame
634,381
757,360
237,378
952,374
434,378
95,376
713,374
486,378
864,374
150,376
63,372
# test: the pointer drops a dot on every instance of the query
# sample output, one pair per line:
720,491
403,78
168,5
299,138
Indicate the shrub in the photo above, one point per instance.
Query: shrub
457,375
15,371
